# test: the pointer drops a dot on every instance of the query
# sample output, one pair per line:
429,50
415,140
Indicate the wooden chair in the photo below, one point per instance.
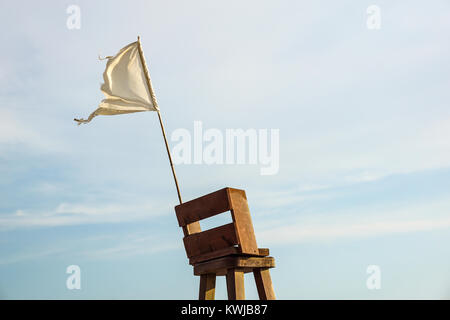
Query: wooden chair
229,250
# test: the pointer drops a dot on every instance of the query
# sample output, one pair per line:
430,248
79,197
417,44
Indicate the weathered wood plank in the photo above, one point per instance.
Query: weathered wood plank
215,254
262,252
235,284
264,284
191,228
242,221
207,289
210,240
233,262
203,207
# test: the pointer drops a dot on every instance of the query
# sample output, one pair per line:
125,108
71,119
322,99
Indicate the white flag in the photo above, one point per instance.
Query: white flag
125,88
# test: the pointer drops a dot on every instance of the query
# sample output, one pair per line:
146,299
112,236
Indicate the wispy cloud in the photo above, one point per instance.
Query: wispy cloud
101,247
26,256
320,233
14,132
75,214
325,228
132,245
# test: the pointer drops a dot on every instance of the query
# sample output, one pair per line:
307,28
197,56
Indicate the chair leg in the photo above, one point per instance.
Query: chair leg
207,286
264,284
235,284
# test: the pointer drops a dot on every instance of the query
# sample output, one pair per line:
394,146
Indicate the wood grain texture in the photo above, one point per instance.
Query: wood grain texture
207,289
228,262
235,284
264,284
230,250
191,228
203,207
210,240
233,251
213,255
242,221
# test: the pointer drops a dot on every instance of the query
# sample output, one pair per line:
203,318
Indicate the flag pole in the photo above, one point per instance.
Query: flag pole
155,104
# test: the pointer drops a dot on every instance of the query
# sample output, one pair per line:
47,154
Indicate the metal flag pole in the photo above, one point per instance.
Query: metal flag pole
155,104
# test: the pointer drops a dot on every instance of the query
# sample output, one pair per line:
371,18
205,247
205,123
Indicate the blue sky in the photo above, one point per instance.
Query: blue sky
364,124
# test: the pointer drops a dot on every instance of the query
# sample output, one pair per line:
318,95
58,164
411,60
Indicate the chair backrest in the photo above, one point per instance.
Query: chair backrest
238,234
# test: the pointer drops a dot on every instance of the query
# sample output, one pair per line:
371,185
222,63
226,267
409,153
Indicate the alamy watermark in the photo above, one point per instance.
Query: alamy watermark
234,146
373,282
373,21
74,19
74,280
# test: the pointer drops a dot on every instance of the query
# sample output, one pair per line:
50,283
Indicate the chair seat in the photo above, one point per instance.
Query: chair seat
243,262
230,251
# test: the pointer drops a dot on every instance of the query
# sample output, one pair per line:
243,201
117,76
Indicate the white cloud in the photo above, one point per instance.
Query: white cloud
75,214
14,132
320,233
11,131
133,245
29,255
364,176
364,154
123,247
367,222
